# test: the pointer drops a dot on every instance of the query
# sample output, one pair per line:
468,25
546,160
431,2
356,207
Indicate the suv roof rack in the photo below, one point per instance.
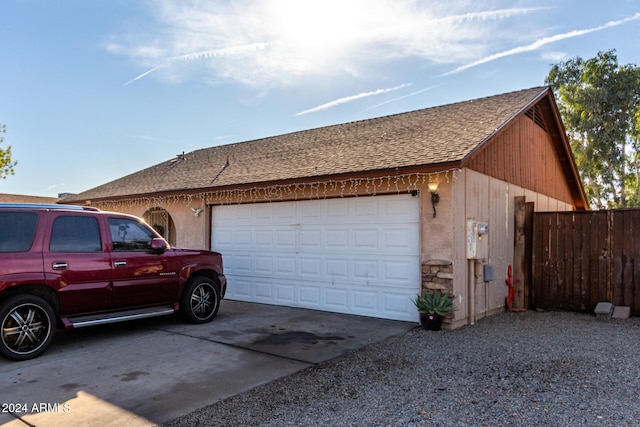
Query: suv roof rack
45,206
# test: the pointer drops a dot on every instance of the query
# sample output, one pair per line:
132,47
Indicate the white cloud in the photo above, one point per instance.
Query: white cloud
270,43
554,57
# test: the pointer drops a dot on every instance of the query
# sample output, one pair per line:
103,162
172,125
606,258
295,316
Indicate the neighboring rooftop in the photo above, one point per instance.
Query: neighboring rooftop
432,136
21,198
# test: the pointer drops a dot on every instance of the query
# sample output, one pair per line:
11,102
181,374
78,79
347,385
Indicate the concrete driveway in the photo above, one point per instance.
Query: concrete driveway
148,372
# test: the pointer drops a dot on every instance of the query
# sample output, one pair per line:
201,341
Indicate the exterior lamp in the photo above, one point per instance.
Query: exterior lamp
435,198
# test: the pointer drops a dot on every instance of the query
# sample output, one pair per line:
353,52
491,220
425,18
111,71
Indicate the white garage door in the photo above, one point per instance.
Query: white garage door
349,255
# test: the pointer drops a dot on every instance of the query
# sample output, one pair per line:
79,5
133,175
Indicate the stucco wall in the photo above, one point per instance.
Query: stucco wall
436,234
191,231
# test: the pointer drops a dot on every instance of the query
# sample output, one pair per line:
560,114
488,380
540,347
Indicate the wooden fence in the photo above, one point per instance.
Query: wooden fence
582,258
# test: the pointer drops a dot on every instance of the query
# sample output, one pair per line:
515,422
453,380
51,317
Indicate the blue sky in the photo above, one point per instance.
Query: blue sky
92,90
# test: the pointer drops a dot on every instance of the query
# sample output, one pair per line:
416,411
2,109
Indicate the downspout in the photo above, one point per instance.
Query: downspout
472,291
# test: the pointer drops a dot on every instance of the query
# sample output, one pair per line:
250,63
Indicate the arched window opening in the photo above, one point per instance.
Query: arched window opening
161,221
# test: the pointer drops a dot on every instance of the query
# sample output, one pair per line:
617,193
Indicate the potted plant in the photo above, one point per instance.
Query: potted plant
433,307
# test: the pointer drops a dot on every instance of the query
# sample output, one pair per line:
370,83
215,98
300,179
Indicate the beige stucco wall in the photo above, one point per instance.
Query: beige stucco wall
191,231
436,234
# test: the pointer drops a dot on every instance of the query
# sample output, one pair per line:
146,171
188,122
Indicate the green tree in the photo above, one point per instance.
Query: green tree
6,164
599,101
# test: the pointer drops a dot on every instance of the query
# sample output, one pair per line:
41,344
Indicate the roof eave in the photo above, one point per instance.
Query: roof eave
364,174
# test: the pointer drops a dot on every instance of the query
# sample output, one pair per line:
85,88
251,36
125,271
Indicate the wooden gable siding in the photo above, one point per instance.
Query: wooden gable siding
524,154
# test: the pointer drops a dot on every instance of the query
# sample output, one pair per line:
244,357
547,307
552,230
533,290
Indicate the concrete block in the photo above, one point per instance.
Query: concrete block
621,312
604,310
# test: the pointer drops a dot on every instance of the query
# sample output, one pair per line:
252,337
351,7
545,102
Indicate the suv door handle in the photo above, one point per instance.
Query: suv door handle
60,265
120,264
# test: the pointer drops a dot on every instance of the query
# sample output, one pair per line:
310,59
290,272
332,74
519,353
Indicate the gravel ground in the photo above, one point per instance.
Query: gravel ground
511,369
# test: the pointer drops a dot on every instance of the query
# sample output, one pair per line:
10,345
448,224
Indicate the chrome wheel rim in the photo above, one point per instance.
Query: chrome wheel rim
25,328
203,301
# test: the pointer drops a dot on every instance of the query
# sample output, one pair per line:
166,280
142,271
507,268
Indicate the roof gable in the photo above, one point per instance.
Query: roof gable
443,135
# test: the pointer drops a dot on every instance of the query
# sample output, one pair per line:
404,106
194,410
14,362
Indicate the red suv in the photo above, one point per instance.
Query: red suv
72,266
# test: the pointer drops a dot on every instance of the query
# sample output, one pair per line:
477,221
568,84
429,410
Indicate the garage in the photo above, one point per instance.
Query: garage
357,255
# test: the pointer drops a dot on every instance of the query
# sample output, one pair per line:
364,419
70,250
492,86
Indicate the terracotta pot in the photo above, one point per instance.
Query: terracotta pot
431,322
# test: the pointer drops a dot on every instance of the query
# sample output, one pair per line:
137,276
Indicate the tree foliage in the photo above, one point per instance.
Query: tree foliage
599,101
6,164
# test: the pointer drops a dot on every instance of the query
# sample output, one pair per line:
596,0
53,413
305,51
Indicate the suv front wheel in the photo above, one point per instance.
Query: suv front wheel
28,326
200,300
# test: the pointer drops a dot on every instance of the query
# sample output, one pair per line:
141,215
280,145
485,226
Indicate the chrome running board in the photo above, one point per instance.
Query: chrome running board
119,316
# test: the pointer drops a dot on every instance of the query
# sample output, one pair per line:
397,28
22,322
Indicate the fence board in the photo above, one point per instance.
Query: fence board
582,258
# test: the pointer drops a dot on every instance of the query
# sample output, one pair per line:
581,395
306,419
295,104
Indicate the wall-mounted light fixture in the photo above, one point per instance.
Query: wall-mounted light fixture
435,198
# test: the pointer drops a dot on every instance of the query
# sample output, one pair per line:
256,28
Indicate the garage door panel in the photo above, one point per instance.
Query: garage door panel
311,239
336,209
367,208
262,213
283,213
336,268
264,265
263,290
224,238
403,239
364,239
398,209
285,293
352,255
310,295
243,238
311,268
365,301
285,239
399,272
397,305
366,270
233,266
264,238
337,238
313,213
336,299
286,266
242,287
242,264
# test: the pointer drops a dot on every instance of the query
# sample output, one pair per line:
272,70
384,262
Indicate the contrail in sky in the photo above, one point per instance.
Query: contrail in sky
227,51
398,99
351,98
542,42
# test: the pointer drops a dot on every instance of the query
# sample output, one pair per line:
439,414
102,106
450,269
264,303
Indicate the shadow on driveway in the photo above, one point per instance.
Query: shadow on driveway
292,333
151,371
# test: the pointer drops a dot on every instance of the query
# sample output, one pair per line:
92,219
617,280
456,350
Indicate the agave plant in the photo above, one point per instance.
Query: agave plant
435,302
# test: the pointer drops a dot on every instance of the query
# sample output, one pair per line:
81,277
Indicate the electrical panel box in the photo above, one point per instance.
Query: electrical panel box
489,274
475,231
472,239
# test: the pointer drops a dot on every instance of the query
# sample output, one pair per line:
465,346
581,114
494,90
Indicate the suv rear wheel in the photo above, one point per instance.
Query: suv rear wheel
27,325
200,300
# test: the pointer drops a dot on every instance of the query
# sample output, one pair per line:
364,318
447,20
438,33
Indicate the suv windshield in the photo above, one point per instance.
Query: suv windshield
17,230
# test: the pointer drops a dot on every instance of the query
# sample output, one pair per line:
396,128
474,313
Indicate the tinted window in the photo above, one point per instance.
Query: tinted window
75,234
17,230
128,235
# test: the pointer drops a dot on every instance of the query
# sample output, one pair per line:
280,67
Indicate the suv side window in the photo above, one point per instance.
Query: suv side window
75,234
128,235
17,230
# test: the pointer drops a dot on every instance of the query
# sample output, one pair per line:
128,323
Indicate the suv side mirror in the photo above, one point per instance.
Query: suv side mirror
159,245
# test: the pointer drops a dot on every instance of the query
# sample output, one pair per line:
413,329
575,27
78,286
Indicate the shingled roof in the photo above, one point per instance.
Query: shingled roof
432,136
